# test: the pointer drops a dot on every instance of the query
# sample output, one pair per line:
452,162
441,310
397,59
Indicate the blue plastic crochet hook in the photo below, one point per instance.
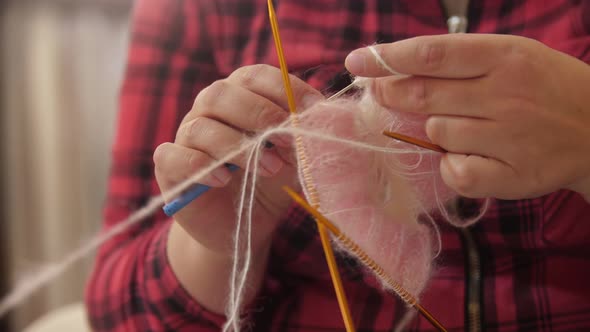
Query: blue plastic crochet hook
190,195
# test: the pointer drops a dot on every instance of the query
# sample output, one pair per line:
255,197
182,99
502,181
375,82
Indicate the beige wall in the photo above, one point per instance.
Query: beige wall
61,68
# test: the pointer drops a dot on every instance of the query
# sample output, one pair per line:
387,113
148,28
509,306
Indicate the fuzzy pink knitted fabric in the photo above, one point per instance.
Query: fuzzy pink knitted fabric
370,195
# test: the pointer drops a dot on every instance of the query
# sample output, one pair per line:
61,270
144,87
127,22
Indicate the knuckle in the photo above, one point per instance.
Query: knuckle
431,54
190,159
522,54
211,94
517,106
517,53
246,76
193,127
263,115
464,179
380,91
300,89
282,90
418,95
435,130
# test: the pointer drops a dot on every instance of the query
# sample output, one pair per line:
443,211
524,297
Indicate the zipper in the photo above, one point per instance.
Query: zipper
473,283
457,21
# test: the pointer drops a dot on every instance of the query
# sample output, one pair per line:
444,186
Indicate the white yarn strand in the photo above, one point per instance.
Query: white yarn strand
242,239
239,274
27,286
382,62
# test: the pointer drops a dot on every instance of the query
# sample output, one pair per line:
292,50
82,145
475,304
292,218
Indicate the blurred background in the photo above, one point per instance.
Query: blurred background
61,65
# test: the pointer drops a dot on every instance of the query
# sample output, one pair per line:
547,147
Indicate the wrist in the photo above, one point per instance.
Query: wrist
205,273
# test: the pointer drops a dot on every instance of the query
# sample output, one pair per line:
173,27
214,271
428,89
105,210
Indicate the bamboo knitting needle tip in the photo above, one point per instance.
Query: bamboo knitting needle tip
323,229
414,141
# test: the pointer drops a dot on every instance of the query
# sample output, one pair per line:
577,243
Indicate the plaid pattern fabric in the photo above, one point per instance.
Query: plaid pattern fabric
533,265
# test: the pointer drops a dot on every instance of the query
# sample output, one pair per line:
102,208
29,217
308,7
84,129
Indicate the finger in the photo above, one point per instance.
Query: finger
478,177
237,107
445,56
267,81
217,140
433,95
175,163
465,135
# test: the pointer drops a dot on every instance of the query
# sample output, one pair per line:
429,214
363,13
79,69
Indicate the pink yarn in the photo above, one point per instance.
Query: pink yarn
368,194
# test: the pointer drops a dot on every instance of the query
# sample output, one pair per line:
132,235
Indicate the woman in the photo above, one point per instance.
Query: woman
512,112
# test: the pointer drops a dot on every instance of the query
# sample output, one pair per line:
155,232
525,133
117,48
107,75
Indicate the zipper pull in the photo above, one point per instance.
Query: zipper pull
456,11
457,24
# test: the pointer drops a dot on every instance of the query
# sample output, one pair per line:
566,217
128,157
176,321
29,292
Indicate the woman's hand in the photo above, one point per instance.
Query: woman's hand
514,114
248,101
200,241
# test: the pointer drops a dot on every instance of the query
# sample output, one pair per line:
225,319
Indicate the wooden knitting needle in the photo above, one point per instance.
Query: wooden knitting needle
282,62
414,141
353,247
324,236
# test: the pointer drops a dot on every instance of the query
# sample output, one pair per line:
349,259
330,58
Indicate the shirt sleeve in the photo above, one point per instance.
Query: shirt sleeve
132,287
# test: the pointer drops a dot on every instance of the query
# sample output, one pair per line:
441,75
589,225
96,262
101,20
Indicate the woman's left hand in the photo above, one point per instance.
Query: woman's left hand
513,113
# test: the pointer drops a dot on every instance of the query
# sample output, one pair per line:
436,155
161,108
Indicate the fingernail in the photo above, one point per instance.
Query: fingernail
356,62
310,99
271,163
221,175
281,140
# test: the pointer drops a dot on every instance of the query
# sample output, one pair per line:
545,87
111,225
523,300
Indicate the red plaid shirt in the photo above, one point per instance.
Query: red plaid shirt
524,267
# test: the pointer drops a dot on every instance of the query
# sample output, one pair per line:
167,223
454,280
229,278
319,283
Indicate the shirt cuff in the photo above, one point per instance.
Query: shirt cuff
169,298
